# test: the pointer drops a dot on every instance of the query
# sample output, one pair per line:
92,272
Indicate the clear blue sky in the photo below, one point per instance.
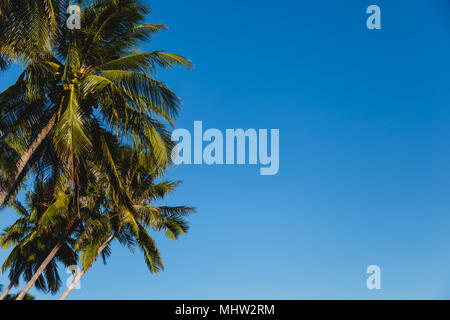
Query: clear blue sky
364,119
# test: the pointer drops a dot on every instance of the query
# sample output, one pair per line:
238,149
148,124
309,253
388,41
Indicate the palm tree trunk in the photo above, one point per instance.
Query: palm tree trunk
39,271
6,291
24,159
13,281
83,272
49,258
73,284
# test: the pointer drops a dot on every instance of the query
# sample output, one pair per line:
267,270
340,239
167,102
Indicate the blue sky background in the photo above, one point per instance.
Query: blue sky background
364,162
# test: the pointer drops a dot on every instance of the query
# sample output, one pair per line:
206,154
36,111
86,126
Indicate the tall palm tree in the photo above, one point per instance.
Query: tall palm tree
26,256
25,29
86,80
129,227
77,90
106,217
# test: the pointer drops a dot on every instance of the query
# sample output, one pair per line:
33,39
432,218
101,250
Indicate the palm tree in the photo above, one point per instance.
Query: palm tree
25,29
86,80
129,227
27,255
105,217
75,91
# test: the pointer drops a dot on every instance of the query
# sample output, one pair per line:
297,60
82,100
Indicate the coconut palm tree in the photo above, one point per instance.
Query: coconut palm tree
25,29
85,81
26,256
130,228
78,88
105,217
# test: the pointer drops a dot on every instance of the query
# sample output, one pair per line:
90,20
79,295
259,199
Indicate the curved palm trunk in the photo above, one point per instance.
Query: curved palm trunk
73,284
83,272
15,280
6,291
47,260
39,271
24,159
